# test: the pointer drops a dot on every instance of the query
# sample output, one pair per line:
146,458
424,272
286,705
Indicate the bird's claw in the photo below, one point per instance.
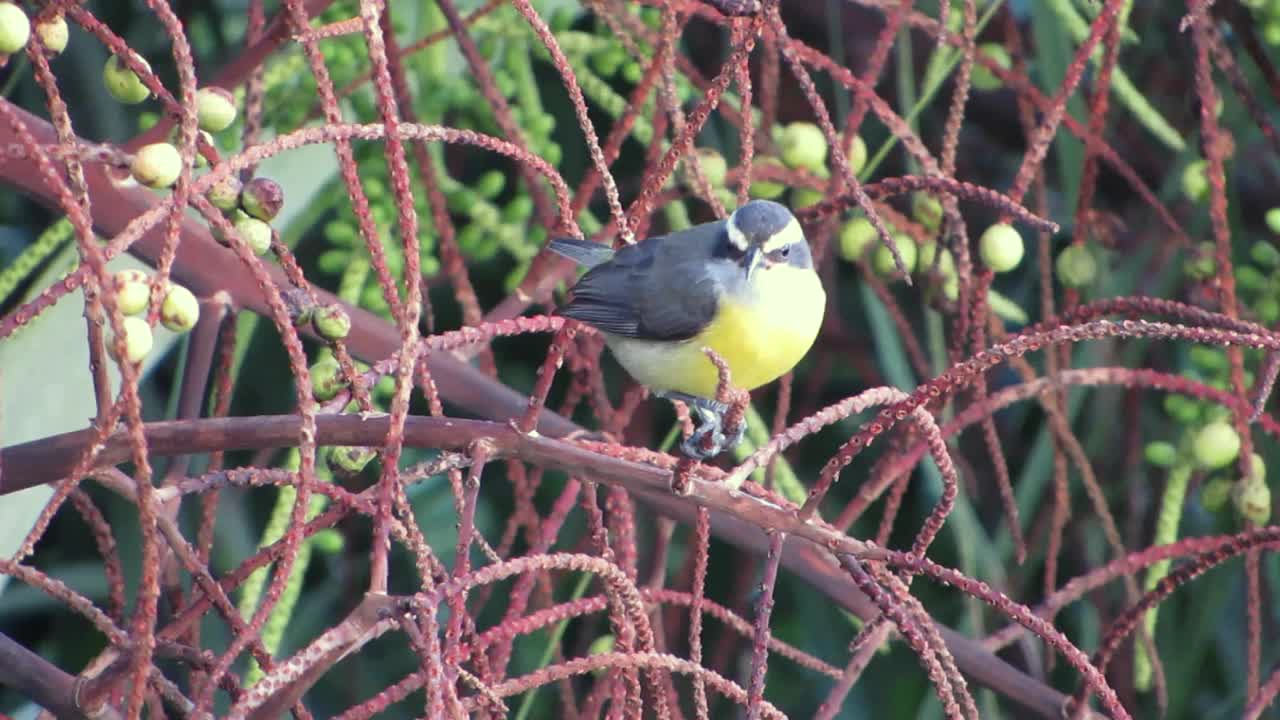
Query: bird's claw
711,425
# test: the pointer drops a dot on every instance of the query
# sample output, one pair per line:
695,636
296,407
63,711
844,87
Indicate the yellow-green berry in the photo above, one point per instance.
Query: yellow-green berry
326,379
802,145
855,237
927,210
256,234
1001,247
262,198
332,322
350,458
1273,220
225,194
1075,266
1252,495
215,108
857,154
133,291
1215,445
1264,253
1195,181
983,78
15,28
180,310
882,261
766,189
53,33
137,340
1161,454
714,167
157,165
122,83
1215,493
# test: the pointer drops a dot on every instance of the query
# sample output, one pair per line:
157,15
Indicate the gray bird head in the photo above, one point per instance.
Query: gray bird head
764,233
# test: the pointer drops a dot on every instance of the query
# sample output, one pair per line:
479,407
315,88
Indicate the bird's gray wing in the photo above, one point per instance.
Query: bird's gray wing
657,289
583,252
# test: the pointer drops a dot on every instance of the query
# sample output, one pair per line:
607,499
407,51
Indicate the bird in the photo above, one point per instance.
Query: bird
744,286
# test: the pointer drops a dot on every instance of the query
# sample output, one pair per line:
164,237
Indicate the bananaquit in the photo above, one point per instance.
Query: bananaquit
744,287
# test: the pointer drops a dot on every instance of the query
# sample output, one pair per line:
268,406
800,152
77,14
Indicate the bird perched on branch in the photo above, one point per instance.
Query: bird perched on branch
745,287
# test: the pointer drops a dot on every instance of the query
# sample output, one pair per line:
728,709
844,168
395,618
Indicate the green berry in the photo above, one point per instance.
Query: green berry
1273,220
1265,254
350,458
53,33
256,234
133,291
982,78
1001,247
802,145
1271,32
332,322
1252,495
713,165
805,197
927,210
882,261
122,83
225,194
326,379
1075,266
15,29
215,108
157,165
1182,408
490,184
328,541
1195,181
1215,493
855,237
137,340
857,155
600,646
180,310
1201,264
1161,454
1267,310
1207,358
262,198
1215,445
766,189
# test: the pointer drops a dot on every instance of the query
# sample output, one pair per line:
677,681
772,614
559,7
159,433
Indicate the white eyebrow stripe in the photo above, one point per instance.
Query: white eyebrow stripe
736,238
784,237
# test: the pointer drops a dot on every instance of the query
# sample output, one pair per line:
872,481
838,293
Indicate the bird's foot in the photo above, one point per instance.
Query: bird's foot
708,438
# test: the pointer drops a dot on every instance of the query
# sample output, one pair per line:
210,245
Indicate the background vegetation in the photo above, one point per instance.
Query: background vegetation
321,493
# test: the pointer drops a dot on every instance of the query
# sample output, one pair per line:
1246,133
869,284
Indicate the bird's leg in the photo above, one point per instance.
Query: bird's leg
711,424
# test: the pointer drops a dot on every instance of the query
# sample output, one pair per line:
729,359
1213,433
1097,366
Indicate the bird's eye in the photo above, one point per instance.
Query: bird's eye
781,254
785,251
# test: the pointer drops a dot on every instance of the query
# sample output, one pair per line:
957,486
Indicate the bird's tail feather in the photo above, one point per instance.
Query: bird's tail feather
583,252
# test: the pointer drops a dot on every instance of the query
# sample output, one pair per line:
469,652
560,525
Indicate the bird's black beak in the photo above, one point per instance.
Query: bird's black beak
751,260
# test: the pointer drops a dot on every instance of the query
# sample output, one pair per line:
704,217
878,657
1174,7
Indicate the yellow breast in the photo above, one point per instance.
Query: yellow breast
761,337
